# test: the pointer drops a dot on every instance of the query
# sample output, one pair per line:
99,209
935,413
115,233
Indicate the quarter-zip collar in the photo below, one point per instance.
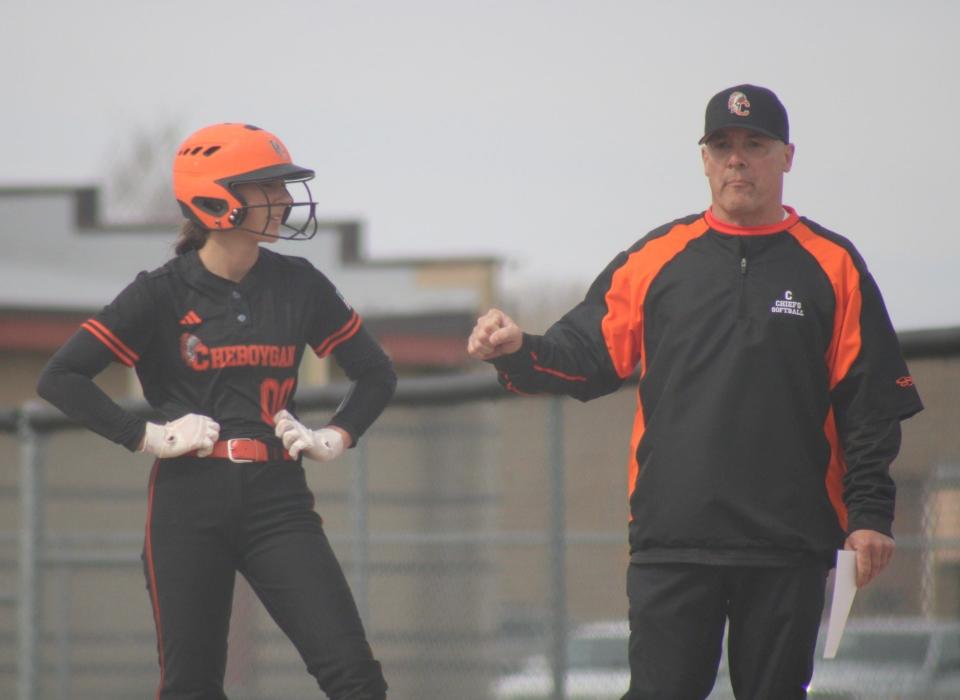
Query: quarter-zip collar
723,227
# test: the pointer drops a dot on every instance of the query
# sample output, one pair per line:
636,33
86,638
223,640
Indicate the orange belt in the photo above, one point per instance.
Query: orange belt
248,450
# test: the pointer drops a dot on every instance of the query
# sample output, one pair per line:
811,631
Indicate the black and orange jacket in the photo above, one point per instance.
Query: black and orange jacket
771,386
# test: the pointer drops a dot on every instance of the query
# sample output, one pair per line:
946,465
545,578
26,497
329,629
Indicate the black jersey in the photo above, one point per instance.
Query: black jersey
228,350
769,378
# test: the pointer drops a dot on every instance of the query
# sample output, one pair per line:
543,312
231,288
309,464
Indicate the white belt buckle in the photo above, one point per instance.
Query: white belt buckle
230,450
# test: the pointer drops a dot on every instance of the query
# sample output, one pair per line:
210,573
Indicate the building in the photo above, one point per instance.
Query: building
61,263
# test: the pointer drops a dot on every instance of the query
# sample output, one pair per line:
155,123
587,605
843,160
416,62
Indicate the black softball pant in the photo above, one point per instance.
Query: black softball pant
209,518
677,618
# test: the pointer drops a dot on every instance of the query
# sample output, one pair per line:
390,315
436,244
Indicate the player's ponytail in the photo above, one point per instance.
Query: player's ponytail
192,236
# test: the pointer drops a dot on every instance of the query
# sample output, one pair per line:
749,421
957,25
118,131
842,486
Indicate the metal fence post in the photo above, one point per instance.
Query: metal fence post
63,583
31,538
360,546
558,537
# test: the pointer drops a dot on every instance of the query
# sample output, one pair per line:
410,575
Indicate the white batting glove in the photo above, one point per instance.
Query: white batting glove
322,445
186,434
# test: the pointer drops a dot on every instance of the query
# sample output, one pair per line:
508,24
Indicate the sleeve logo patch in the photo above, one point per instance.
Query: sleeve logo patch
905,382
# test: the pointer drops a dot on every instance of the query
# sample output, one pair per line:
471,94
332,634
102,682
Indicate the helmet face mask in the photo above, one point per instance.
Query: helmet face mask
212,162
298,222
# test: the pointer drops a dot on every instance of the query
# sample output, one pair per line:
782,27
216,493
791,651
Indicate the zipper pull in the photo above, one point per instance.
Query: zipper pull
743,266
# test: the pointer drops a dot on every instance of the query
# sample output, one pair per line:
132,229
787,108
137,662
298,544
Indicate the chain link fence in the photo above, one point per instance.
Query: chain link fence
484,537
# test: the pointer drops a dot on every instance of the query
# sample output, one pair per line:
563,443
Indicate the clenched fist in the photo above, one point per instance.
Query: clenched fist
494,335
185,434
322,445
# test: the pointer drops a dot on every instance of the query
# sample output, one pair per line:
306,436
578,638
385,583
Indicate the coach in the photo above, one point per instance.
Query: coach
771,392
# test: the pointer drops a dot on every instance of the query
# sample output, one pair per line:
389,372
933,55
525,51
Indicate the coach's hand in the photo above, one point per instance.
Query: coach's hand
186,434
874,551
494,334
322,445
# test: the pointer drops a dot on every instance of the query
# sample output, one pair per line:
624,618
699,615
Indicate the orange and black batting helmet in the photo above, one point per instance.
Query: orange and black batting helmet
212,161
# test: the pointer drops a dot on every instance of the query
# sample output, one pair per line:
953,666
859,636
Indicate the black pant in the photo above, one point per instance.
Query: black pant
208,519
677,618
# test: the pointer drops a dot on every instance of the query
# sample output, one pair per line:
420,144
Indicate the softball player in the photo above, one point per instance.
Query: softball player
216,336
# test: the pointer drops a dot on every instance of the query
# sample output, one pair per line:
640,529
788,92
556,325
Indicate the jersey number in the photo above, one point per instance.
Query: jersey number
273,397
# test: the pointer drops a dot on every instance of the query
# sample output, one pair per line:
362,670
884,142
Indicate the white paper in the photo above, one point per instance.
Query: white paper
844,589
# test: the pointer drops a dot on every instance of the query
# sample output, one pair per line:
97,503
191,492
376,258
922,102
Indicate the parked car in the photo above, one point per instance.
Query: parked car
891,658
878,659
597,668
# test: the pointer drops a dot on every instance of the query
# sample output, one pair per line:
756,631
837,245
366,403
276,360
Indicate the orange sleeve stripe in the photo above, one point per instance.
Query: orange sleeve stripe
836,469
622,326
555,372
509,385
116,346
845,279
633,467
343,334
152,572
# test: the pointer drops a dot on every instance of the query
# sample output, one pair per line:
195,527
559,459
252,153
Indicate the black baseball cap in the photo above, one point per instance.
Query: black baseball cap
748,107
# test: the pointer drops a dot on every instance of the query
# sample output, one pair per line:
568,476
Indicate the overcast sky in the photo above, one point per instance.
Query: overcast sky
551,134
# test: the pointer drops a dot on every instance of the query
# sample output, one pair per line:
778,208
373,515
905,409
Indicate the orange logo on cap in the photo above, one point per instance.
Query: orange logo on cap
905,382
738,104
